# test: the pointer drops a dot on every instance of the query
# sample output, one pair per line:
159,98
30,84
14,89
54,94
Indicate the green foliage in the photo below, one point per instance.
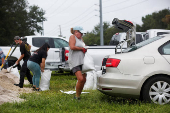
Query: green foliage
150,21
93,37
166,20
53,101
154,21
18,19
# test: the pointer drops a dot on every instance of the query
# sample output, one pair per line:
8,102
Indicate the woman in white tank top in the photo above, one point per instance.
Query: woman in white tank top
76,56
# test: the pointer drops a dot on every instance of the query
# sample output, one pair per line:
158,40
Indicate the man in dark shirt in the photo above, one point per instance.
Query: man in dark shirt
25,54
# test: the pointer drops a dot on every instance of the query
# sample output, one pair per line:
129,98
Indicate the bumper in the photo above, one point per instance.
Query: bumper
65,67
117,84
53,65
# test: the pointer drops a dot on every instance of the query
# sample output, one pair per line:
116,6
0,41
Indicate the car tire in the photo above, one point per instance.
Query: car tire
157,90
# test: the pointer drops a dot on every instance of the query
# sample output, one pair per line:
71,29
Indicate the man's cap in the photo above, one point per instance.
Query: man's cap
80,29
17,38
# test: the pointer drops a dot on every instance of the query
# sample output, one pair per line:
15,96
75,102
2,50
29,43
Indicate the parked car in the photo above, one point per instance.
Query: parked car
142,71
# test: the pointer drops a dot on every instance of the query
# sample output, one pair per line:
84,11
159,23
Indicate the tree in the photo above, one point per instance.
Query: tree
93,37
153,21
36,16
166,20
156,20
18,19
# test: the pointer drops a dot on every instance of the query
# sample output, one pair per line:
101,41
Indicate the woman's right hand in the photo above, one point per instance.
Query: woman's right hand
42,65
42,70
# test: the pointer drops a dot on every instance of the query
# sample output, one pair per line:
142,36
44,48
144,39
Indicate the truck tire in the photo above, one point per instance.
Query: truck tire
157,90
10,63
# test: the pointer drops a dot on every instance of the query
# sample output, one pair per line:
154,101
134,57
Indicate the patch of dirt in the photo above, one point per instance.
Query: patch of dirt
8,91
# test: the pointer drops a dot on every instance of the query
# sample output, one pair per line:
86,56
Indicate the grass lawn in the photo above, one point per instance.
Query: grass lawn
53,101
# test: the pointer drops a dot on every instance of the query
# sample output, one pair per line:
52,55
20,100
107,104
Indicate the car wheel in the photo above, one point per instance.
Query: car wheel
157,90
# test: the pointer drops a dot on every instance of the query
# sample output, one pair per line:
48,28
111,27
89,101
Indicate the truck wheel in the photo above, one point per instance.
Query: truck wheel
60,71
157,90
10,63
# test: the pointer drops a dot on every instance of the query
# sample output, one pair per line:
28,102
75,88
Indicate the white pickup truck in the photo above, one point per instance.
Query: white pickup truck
97,53
54,59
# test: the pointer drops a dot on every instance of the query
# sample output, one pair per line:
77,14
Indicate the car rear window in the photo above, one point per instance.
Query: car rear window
141,44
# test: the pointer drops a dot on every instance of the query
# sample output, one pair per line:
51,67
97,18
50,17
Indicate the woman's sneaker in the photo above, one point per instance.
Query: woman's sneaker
77,98
37,89
33,87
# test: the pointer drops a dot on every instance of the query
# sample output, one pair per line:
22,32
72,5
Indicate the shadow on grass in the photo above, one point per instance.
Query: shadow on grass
58,73
119,100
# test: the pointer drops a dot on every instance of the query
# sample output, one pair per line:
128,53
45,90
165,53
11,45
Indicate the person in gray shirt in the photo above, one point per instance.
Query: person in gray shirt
76,56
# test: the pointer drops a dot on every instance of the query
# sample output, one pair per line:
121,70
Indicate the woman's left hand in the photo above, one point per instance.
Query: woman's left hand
84,50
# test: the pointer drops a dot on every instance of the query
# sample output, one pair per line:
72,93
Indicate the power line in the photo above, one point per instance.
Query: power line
116,3
63,10
92,16
78,15
87,20
58,7
126,7
75,18
66,29
83,21
73,23
52,5
106,1
80,18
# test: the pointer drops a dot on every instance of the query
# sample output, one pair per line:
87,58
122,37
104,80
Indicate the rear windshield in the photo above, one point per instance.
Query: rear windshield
141,44
53,42
138,38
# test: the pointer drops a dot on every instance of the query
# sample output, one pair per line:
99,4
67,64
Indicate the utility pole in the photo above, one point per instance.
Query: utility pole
101,24
43,29
60,31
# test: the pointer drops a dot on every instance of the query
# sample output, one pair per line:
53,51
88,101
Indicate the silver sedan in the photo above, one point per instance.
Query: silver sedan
141,71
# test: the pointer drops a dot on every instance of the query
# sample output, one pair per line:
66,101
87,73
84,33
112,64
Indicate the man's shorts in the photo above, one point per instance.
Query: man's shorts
77,68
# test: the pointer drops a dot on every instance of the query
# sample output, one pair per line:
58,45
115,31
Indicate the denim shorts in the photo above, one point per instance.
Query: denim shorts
77,68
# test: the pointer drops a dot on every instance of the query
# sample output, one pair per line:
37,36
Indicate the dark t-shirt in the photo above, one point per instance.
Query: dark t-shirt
37,56
24,49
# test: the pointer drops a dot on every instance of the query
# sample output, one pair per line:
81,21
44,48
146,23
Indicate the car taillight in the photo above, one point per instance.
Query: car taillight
111,62
66,55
